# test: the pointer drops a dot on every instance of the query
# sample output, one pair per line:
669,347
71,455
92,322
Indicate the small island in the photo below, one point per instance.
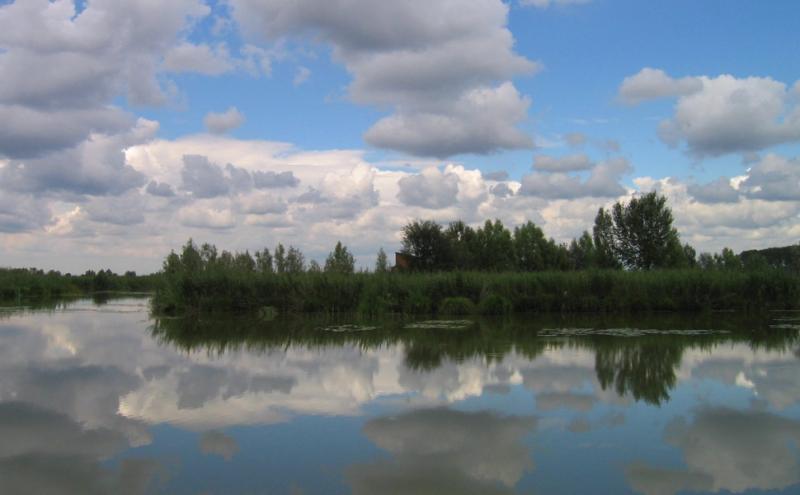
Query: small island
632,261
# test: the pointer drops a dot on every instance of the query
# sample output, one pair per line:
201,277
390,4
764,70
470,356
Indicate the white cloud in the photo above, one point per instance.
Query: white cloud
568,163
443,67
603,181
201,58
429,189
651,84
721,115
220,123
205,215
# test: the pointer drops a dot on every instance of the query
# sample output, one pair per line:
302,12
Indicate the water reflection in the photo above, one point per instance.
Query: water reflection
94,399
439,451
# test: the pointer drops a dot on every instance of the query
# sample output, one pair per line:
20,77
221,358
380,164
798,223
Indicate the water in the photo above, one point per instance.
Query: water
102,399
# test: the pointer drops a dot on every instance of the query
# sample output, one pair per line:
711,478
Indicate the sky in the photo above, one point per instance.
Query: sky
130,127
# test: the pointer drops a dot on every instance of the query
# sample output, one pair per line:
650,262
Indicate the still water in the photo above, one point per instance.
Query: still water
101,398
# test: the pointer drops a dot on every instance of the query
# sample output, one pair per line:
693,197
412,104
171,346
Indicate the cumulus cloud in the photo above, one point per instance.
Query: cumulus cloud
159,189
272,180
718,191
199,58
568,163
774,178
206,216
721,115
436,63
97,166
481,121
22,213
651,84
62,68
499,175
429,189
603,182
220,123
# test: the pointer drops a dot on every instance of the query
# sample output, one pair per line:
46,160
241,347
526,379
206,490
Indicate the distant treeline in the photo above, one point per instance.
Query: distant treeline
31,284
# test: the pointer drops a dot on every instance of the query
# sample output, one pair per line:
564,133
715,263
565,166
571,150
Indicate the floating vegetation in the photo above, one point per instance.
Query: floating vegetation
621,332
440,325
347,328
786,326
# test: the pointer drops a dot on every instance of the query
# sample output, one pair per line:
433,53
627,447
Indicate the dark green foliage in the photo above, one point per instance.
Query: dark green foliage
784,258
427,243
493,248
494,305
644,238
603,236
381,263
216,287
582,253
456,306
340,260
24,285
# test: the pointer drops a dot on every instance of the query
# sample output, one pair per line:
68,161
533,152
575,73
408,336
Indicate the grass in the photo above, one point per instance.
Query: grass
485,293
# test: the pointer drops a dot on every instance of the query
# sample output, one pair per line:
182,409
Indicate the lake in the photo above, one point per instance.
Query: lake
98,397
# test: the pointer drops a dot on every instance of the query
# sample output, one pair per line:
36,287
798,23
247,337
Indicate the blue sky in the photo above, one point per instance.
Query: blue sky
131,127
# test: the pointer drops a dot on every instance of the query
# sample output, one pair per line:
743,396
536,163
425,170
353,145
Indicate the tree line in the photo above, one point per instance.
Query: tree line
633,235
637,235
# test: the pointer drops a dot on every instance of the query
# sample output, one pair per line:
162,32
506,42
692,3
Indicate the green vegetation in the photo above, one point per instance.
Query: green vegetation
632,261
194,283
18,285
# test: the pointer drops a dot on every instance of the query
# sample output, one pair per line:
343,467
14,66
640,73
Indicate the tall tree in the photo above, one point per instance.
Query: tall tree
462,240
603,236
425,241
295,261
644,237
280,259
494,247
340,260
381,263
264,261
530,248
582,253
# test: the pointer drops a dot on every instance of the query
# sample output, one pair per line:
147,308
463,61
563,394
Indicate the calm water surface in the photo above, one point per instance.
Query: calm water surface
104,399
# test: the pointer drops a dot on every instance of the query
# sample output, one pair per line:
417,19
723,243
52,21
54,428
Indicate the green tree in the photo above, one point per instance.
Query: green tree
530,248
426,242
313,267
582,253
494,247
603,236
381,263
280,259
644,237
264,261
295,261
340,260
462,240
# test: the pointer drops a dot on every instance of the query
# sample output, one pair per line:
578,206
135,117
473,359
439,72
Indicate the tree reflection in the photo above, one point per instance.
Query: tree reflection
637,363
